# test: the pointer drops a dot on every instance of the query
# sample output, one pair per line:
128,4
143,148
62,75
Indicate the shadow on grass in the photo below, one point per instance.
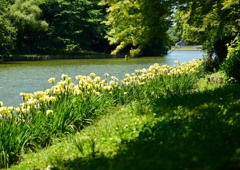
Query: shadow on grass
203,136
221,96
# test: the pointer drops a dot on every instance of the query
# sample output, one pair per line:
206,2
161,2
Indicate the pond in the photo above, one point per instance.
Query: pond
31,76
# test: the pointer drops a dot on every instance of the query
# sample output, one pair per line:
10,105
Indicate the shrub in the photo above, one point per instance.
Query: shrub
231,65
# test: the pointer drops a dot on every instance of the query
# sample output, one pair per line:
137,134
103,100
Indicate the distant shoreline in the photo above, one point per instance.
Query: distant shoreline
187,48
52,57
35,57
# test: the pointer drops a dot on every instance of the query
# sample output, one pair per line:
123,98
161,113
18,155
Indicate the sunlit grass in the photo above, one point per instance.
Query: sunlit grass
177,132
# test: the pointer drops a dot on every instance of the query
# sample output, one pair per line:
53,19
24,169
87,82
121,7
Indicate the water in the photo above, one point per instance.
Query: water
31,76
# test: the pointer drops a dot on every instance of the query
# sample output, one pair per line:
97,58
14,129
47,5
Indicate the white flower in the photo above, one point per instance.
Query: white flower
1,104
49,112
106,74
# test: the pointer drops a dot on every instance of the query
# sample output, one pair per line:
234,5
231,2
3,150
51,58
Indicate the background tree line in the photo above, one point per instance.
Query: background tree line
136,27
51,26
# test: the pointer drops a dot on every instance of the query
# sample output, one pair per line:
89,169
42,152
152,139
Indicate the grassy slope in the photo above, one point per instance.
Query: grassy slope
193,131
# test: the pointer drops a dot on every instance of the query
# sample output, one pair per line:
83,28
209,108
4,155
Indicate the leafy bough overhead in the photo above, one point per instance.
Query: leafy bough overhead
138,26
212,23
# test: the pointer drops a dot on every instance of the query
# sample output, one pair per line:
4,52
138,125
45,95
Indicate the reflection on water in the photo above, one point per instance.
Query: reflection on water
31,76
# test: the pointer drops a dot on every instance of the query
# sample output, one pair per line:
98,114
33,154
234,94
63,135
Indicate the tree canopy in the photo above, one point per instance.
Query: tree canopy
138,25
213,23
7,30
50,26
134,27
73,24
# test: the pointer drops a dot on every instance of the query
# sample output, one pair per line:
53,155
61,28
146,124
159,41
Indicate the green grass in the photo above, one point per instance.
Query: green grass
103,138
165,127
156,118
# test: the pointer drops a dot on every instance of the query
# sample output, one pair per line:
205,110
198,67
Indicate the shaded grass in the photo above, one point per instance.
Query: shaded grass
103,137
197,130
202,136
174,121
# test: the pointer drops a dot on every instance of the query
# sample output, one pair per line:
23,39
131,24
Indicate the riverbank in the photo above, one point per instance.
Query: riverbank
52,57
87,55
186,48
189,124
30,76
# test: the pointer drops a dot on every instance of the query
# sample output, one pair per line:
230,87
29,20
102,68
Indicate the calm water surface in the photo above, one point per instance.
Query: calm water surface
31,76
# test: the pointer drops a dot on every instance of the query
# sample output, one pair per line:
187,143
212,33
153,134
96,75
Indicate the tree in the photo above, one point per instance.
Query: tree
7,31
74,25
231,65
25,16
214,23
138,25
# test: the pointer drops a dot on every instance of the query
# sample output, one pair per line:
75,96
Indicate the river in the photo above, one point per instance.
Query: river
31,76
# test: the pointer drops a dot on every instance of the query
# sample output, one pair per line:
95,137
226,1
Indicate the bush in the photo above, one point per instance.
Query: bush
231,65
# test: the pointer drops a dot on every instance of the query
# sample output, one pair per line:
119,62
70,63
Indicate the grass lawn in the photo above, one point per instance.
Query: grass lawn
197,130
163,117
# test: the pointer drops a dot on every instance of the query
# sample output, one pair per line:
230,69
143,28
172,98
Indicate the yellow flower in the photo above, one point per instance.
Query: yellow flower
68,80
89,79
114,78
48,91
127,75
5,111
112,83
79,77
64,76
56,90
89,87
96,86
107,87
77,92
26,96
97,93
39,94
10,108
51,80
97,79
93,75
17,109
31,103
61,84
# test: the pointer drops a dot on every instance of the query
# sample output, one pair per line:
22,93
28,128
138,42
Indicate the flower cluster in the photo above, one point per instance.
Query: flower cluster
93,85
141,77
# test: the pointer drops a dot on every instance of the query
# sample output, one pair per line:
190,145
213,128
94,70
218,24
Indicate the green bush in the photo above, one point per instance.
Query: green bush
231,65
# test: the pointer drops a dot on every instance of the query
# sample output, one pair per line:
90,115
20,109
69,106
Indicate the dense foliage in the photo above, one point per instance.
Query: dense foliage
139,26
133,27
46,26
73,25
7,33
211,23
231,65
